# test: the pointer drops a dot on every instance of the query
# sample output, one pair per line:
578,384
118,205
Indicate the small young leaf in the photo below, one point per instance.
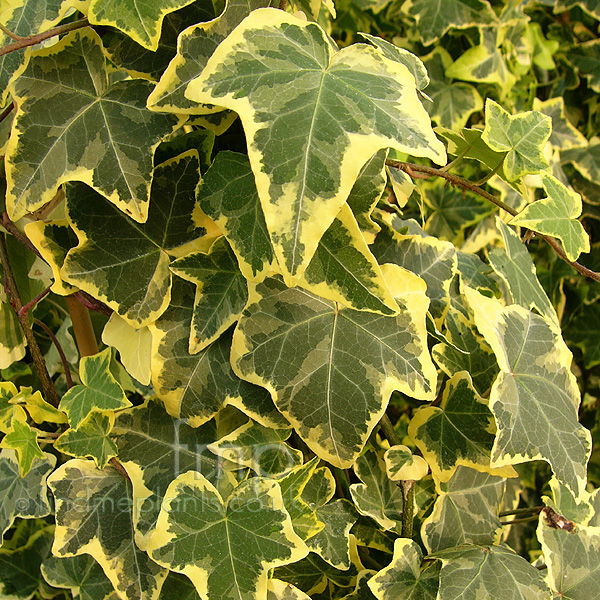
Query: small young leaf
24,440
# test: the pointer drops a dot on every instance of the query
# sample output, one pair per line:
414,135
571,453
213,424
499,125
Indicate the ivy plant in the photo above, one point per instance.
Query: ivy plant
300,301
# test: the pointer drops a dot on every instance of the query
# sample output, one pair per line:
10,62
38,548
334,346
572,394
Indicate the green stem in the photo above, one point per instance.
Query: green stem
408,508
534,510
388,431
82,326
61,353
10,285
516,521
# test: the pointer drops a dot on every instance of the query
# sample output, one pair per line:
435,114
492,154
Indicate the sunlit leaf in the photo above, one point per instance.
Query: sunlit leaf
402,465
9,411
564,135
303,190
24,440
226,549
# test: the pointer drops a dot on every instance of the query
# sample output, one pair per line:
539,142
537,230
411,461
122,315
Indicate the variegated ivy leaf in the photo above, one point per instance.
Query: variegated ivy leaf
12,340
572,558
195,46
580,510
194,387
402,465
226,549
484,63
24,497
92,128
535,397
142,21
516,268
53,239
126,264
332,543
465,512
292,484
472,572
523,136
585,58
99,390
262,449
377,496
460,431
9,411
93,516
281,590
435,17
468,144
584,332
334,128
134,346
221,292
556,215
586,159
25,18
24,440
361,590
20,576
155,448
366,192
178,586
320,488
308,574
590,6
90,439
564,136
82,575
403,578
452,103
431,259
402,185
346,364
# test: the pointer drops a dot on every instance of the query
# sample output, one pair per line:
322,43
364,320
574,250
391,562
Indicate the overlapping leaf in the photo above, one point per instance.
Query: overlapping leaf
154,449
93,516
195,387
471,572
142,21
465,512
587,60
402,465
126,264
303,189
564,135
556,215
435,18
226,549
346,362
89,138
221,292
24,497
535,397
99,390
522,136
23,439
194,47
403,578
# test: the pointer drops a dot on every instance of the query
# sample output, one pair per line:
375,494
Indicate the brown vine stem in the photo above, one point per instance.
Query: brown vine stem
61,352
10,285
32,40
419,171
17,233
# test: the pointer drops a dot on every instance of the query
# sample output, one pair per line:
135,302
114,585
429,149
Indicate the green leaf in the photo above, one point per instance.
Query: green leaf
303,189
590,6
460,431
523,136
123,263
403,578
93,516
564,136
93,124
221,292
435,17
141,21
90,439
471,572
585,58
535,397
516,268
584,332
556,215
226,549
262,449
99,391
377,496
24,440
195,387
308,574
195,46
343,358
431,259
178,586
451,103
20,575
586,160
468,144
572,557
82,575
39,410
155,448
12,340
281,590
24,497
332,543
465,512
9,411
